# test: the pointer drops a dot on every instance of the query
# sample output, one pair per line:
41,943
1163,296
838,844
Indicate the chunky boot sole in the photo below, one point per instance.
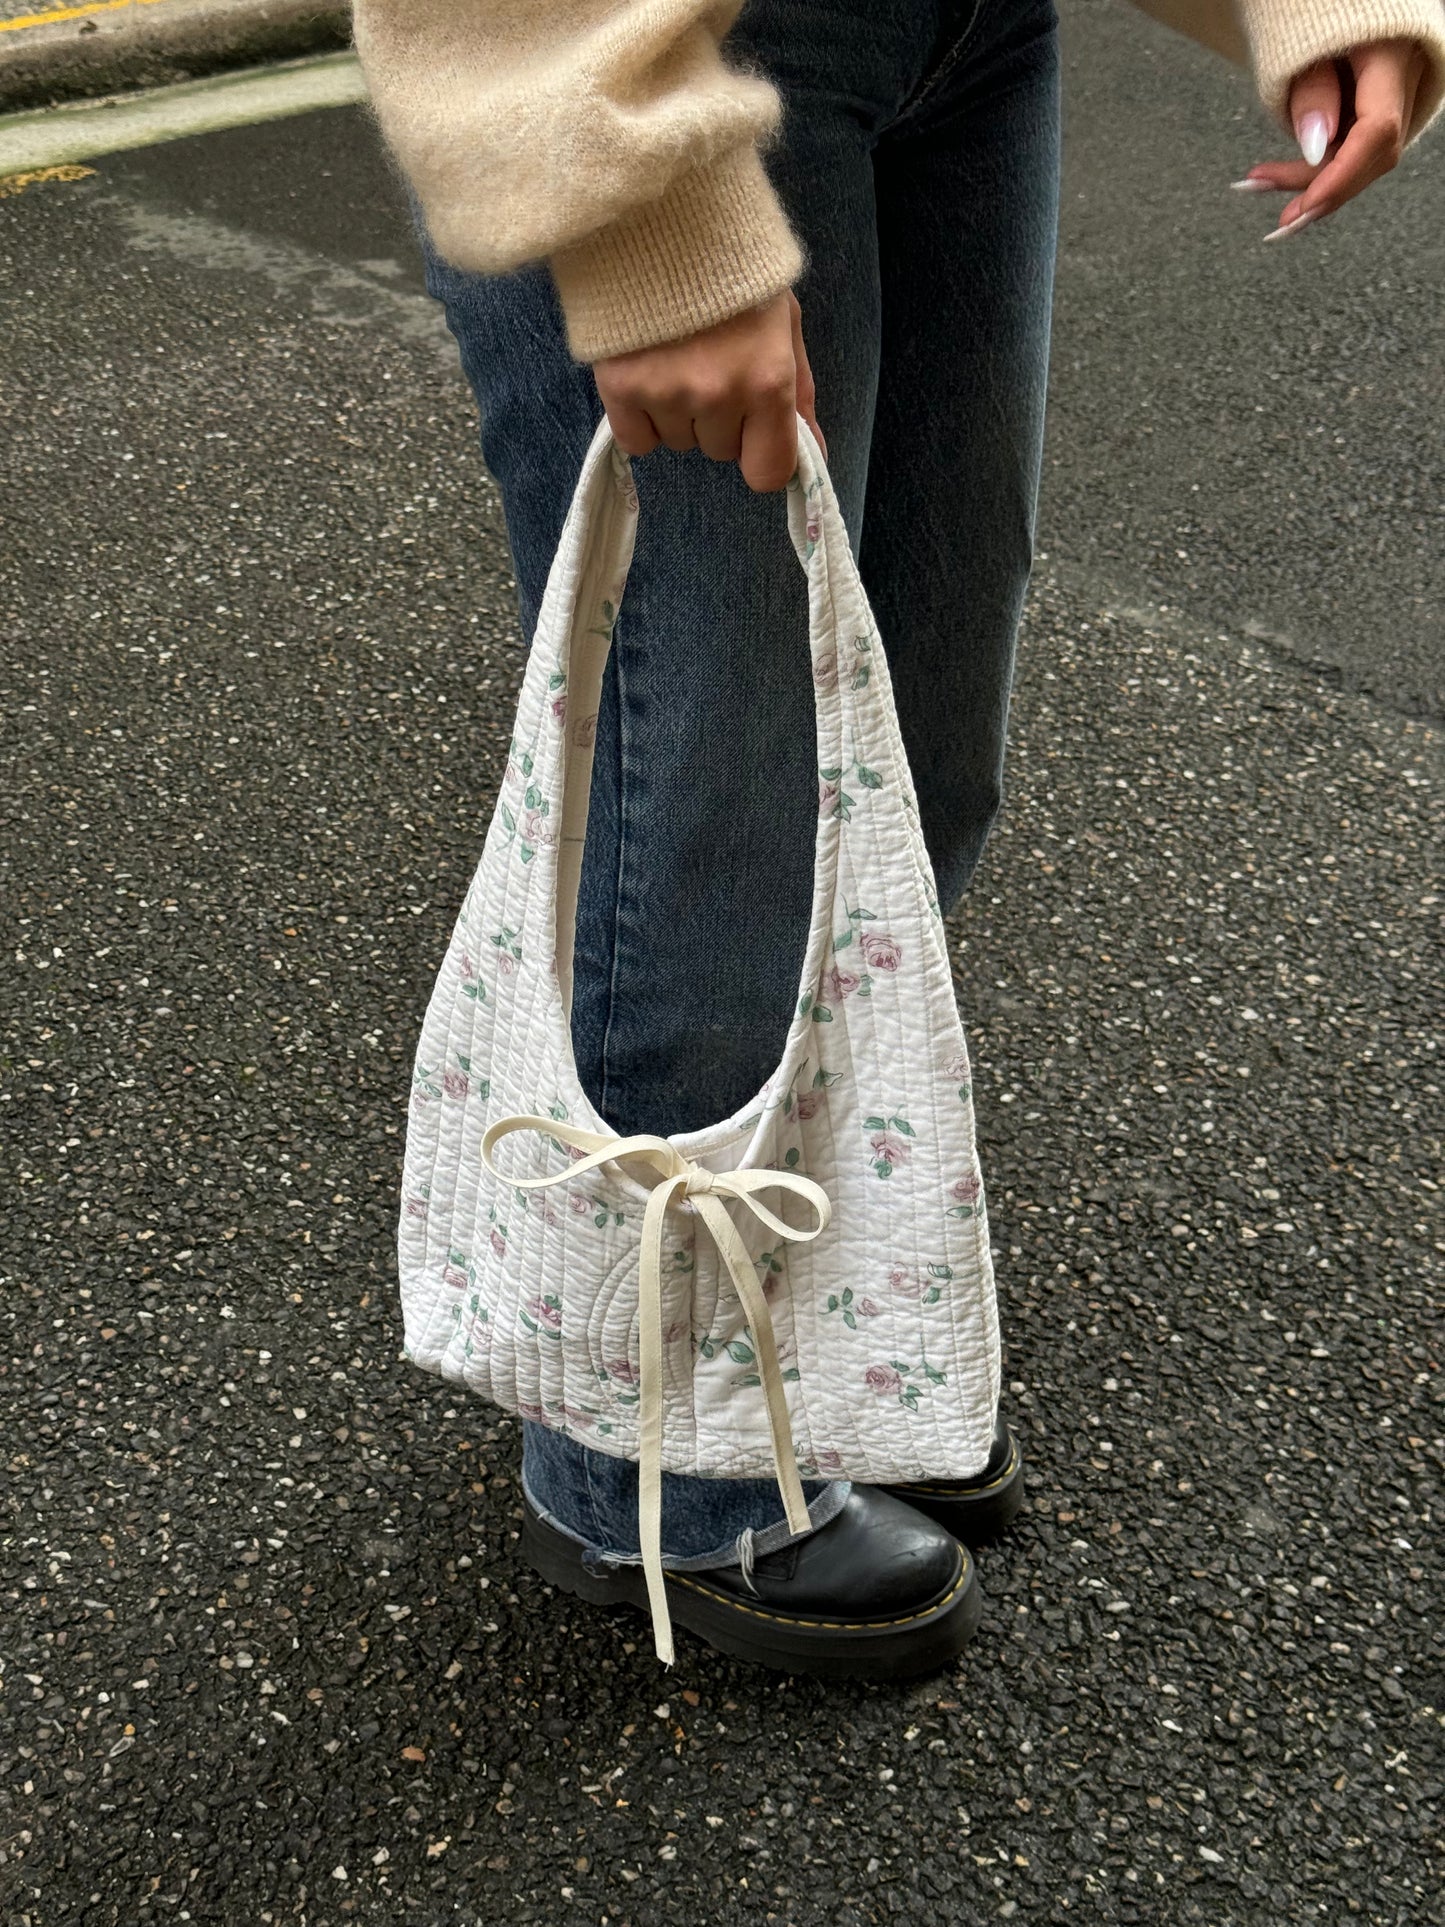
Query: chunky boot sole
892,1648
974,1511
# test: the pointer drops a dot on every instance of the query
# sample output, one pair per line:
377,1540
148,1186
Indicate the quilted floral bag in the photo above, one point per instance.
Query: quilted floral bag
802,1288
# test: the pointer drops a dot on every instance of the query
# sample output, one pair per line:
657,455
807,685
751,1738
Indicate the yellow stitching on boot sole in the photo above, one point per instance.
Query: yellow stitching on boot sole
962,1491
828,1625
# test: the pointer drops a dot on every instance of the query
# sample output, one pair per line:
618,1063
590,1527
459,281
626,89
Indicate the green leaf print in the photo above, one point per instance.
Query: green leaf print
959,1211
831,775
533,796
739,1353
869,778
822,1014
941,1271
508,819
902,1124
790,1157
875,1124
805,1003
556,680
527,764
842,943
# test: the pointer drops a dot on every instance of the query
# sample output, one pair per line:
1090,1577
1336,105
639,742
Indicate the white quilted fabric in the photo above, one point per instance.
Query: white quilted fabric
885,1324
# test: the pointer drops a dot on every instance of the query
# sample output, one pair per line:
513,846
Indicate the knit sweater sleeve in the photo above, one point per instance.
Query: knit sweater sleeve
1278,39
608,137
1286,36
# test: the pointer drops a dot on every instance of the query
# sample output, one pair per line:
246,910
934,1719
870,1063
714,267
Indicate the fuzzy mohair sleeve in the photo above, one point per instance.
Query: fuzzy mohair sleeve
1278,39
608,137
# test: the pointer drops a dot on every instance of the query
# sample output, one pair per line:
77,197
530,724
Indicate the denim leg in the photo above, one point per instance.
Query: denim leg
967,186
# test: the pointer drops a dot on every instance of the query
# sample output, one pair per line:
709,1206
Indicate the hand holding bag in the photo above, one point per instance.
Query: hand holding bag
638,1292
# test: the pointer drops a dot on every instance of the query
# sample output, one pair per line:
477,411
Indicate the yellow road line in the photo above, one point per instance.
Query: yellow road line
57,14
17,183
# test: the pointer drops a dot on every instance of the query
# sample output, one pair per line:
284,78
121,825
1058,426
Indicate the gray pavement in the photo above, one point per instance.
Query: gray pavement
269,1652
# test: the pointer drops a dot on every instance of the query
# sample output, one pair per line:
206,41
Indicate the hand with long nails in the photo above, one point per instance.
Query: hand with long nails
1350,116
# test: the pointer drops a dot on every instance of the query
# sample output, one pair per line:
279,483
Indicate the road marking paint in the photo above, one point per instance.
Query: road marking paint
17,183
56,14
56,136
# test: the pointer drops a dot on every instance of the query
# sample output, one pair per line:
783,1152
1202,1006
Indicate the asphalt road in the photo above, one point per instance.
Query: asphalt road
269,1653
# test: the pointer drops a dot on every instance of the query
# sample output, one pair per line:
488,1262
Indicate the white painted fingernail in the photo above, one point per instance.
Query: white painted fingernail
1291,227
1249,186
1313,135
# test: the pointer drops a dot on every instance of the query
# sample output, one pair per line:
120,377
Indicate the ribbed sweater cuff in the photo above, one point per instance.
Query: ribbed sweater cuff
1286,37
715,244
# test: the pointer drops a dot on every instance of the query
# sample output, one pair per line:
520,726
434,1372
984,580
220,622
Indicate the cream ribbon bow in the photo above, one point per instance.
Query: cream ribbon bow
680,1178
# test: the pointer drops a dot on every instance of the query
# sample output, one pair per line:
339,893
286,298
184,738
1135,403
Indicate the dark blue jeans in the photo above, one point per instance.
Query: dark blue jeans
919,164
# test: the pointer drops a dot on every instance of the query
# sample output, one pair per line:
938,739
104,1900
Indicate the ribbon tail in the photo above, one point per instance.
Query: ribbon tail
649,1441
760,1324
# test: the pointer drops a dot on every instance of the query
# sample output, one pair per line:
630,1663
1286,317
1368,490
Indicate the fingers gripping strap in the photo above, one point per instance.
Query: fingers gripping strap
681,1178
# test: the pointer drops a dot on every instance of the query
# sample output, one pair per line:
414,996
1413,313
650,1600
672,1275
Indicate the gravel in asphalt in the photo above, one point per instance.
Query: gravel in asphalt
269,1651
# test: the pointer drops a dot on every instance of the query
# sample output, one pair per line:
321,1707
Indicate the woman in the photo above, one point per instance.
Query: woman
605,233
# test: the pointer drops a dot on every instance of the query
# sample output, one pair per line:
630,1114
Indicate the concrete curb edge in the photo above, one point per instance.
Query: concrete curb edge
127,44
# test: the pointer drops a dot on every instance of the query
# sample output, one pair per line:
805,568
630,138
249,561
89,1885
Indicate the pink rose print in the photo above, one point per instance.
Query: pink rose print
527,1409
836,985
575,1200
455,1277
814,526
828,794
966,1190
880,952
888,1148
825,671
809,1104
499,1245
671,1333
829,1461
866,1308
507,963
456,1083
577,1416
537,830
416,1207
544,1312
903,1282
883,1380
622,1370
957,1065
559,707
469,968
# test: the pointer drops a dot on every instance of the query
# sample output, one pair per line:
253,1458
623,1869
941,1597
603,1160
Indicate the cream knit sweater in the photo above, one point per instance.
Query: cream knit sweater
612,139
